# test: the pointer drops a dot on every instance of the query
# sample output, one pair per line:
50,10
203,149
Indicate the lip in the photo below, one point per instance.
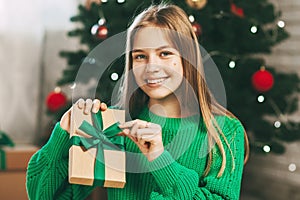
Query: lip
155,82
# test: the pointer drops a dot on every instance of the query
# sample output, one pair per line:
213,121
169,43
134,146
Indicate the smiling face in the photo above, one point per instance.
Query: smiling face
156,64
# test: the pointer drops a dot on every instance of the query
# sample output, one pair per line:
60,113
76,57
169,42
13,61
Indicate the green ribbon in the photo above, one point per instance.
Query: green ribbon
4,141
101,139
2,159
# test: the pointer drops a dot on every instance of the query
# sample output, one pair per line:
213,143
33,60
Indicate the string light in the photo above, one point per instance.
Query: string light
101,21
260,98
191,18
104,1
277,124
281,24
120,1
94,29
292,167
267,148
253,29
73,86
232,64
114,76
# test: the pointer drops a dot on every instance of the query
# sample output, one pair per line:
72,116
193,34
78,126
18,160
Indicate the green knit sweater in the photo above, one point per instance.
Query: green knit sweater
176,174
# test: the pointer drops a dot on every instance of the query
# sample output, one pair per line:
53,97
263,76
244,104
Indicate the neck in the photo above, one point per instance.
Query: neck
168,107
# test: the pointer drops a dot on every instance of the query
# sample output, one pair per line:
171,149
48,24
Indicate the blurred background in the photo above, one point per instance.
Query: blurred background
255,45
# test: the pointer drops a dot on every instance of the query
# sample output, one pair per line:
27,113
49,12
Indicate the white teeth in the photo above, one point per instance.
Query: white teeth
152,81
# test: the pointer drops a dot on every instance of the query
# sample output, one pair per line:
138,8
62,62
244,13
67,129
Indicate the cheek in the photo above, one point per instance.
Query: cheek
138,74
177,67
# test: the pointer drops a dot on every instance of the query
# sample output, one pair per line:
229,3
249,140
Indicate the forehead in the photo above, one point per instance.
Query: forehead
150,37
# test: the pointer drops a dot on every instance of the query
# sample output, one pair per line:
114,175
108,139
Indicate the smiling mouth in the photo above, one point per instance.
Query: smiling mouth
155,82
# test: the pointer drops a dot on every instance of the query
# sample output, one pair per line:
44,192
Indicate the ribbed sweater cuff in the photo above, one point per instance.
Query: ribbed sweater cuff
164,169
58,144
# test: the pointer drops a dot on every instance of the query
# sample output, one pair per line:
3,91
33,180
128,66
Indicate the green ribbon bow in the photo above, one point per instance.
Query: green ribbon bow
4,141
101,139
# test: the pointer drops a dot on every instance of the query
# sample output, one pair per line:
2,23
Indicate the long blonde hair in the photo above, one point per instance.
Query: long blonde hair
174,18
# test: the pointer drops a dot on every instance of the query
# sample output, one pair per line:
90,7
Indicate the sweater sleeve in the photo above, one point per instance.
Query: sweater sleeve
175,181
47,172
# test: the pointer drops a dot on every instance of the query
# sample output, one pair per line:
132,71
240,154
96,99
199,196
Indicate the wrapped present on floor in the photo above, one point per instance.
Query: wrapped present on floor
14,157
97,154
17,157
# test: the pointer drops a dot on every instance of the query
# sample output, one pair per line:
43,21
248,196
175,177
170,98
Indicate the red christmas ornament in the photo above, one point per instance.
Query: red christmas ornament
55,101
102,32
197,28
262,80
237,10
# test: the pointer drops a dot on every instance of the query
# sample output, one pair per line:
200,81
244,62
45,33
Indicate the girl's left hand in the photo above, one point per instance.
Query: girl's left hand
146,135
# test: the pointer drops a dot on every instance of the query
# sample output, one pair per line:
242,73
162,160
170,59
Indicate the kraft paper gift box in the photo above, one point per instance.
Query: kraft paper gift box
97,154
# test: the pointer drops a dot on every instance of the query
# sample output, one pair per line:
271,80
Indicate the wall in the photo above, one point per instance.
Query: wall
23,27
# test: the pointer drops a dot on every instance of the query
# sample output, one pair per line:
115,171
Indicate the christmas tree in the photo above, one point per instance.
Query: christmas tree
235,33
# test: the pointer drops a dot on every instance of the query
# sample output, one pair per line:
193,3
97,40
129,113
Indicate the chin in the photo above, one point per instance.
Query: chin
159,95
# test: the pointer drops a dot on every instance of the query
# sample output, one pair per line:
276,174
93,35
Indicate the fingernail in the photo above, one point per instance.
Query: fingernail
126,131
94,110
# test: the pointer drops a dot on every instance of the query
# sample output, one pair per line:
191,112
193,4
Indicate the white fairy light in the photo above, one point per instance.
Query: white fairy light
277,124
292,167
94,29
191,18
281,24
260,98
267,148
120,1
73,86
104,1
253,29
101,21
114,76
232,64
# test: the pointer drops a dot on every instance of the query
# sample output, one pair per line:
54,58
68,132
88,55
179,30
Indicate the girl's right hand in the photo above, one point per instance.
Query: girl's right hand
86,106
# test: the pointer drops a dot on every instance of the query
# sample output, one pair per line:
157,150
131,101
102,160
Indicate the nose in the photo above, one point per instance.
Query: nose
153,64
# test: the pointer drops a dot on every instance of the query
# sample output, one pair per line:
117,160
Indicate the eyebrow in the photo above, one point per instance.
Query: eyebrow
159,48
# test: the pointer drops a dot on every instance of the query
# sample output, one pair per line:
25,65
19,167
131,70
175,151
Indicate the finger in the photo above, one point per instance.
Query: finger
88,106
142,124
103,106
139,124
134,128
96,106
125,132
128,124
146,134
80,103
148,131
148,138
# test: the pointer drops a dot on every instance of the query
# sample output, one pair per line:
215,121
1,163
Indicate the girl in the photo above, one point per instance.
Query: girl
192,148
